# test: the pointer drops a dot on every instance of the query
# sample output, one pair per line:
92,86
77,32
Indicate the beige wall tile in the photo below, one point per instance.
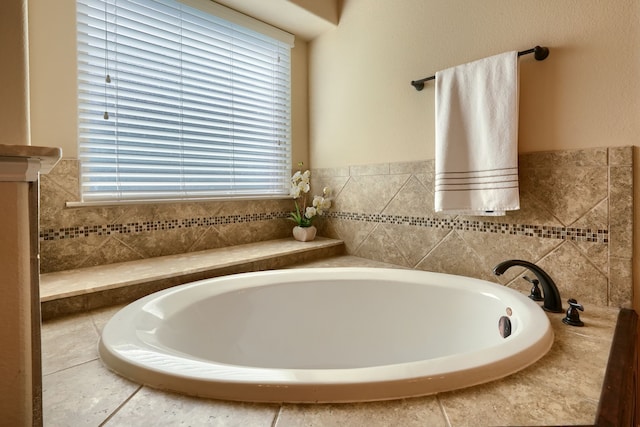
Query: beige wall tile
621,156
413,242
371,169
620,282
575,276
385,212
576,213
568,193
379,246
621,211
454,256
564,158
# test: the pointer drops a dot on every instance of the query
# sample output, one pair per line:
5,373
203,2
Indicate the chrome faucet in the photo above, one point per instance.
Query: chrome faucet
552,300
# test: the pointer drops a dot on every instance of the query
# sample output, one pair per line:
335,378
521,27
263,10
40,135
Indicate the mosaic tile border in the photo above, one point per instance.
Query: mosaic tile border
146,226
541,231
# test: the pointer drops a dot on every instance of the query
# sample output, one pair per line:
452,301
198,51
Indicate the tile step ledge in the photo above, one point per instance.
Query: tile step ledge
74,291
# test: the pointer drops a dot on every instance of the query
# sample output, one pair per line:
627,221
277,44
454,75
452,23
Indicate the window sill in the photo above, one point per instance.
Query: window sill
104,203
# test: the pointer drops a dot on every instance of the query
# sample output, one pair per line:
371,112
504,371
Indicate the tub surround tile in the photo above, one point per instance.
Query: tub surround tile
621,208
368,194
621,282
55,215
161,242
137,224
621,156
370,169
575,276
413,199
419,168
565,355
210,238
453,255
581,196
71,254
113,249
564,158
67,176
72,247
384,211
536,395
170,211
517,401
503,246
380,246
532,212
413,243
567,193
353,234
254,231
52,200
343,261
335,183
597,218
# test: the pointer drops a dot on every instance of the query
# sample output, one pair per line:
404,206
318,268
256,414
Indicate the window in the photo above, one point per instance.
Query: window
176,102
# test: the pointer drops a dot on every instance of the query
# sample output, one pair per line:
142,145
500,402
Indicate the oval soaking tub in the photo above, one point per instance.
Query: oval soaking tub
325,335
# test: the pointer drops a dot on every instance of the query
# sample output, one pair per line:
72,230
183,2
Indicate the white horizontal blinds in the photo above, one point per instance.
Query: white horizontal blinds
197,106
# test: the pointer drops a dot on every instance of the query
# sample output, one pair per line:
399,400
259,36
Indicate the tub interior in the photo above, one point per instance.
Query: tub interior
328,324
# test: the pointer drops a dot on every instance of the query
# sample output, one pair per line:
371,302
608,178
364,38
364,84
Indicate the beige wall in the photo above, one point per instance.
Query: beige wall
363,109
52,57
16,387
14,89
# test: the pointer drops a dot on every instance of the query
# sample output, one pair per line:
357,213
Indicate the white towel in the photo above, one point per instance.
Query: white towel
477,137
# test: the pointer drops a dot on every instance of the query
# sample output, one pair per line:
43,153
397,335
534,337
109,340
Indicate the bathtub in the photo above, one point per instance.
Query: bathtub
325,335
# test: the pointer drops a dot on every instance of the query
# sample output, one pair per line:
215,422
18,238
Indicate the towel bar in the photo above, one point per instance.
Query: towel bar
539,52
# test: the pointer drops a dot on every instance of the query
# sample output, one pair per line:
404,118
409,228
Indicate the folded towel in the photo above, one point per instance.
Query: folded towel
477,137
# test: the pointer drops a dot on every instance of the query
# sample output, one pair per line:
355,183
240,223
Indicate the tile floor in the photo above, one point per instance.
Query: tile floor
79,391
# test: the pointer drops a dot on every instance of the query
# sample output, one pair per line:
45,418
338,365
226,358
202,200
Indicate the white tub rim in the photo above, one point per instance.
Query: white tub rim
200,372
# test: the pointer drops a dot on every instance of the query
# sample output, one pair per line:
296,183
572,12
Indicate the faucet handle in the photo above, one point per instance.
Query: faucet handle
535,294
573,316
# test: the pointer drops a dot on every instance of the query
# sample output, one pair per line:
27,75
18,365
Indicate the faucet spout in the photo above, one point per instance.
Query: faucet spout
552,301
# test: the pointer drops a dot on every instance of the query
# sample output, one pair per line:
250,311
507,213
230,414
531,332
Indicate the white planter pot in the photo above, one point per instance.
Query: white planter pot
304,234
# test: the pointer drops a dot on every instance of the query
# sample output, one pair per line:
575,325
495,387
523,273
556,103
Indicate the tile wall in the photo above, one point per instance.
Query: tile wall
89,236
576,222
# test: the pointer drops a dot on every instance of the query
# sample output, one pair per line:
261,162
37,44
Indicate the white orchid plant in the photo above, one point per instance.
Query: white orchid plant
304,215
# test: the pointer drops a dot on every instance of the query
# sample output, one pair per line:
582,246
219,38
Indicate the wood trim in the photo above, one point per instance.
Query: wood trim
617,405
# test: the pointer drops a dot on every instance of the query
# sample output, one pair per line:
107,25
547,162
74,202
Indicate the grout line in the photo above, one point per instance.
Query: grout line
276,418
66,368
444,411
120,406
445,237
402,187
